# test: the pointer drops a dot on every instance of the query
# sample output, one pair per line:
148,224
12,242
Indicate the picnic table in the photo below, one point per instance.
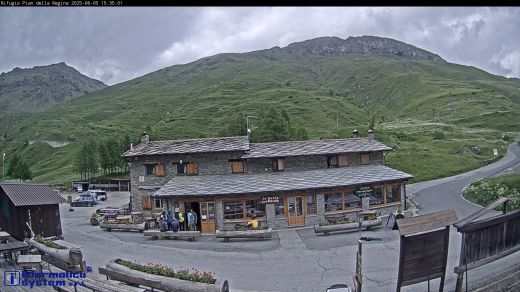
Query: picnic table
8,250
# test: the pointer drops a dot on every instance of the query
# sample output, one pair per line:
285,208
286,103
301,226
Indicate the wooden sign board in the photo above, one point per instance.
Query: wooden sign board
269,199
364,192
423,254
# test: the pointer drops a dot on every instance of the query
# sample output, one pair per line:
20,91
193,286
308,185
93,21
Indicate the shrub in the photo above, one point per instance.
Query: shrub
438,135
48,243
154,269
195,276
485,192
164,270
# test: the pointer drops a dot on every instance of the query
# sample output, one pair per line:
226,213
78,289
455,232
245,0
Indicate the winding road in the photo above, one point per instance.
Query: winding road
296,259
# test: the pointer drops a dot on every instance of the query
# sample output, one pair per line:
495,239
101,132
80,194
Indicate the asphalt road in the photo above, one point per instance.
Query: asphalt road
295,259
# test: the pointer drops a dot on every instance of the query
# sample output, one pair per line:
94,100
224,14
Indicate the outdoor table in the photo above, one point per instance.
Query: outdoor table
29,261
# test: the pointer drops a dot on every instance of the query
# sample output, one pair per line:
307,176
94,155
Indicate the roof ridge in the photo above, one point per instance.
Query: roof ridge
23,184
317,140
195,139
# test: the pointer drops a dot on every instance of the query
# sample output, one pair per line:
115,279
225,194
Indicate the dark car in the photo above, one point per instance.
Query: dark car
84,200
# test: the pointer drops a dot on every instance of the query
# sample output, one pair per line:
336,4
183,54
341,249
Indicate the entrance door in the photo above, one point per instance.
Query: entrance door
207,217
295,213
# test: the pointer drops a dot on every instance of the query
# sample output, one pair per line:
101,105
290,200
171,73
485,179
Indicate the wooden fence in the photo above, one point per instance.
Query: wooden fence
487,240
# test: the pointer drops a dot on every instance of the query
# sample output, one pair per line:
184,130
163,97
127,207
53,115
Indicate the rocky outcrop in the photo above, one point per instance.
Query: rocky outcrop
364,45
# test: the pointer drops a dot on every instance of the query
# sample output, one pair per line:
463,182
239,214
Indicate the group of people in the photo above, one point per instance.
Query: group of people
168,222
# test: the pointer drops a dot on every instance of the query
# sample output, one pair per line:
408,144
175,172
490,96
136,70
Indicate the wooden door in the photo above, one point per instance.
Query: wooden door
207,217
295,210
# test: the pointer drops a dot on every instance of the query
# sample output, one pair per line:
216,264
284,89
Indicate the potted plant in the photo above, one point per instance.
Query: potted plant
94,219
182,280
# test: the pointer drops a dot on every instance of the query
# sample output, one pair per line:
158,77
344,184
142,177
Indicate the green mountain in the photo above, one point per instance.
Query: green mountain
39,88
431,111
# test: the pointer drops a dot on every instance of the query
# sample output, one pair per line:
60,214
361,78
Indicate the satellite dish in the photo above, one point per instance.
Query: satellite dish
249,130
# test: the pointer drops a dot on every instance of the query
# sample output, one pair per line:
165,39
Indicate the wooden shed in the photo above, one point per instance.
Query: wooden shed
36,204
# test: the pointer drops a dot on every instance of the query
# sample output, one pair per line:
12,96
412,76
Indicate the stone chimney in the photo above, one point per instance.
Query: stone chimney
145,138
355,134
371,135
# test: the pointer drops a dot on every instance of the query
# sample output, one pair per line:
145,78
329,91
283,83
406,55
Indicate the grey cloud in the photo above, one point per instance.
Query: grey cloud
119,44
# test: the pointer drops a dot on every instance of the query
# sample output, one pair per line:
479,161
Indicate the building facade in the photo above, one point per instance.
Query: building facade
227,180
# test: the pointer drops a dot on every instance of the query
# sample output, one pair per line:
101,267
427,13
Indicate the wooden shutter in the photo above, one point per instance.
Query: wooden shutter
365,158
192,169
159,169
237,166
281,164
343,160
147,203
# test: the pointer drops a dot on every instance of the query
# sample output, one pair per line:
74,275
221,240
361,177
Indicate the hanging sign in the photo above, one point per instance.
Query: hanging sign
269,199
364,192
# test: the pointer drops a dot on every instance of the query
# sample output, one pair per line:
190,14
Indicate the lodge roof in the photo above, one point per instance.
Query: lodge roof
257,150
314,147
31,194
221,144
279,181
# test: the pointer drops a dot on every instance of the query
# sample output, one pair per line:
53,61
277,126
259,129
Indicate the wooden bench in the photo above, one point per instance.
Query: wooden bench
156,234
260,234
129,279
96,284
108,226
326,229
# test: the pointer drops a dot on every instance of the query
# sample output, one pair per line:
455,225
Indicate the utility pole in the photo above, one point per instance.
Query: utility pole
249,126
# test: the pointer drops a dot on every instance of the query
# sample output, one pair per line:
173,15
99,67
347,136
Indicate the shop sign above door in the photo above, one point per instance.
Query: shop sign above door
364,192
269,199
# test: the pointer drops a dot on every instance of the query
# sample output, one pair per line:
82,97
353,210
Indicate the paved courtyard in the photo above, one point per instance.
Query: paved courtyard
294,259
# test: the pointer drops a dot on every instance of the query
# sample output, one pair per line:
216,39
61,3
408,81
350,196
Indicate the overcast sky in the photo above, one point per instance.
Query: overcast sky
118,44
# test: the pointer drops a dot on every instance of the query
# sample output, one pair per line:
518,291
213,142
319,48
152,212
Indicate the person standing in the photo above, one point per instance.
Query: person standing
195,220
181,220
191,220
169,219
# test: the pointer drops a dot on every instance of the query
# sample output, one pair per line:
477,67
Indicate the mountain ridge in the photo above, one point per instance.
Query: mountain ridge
41,87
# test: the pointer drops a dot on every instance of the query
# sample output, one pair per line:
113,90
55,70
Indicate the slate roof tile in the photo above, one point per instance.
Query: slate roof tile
31,194
279,181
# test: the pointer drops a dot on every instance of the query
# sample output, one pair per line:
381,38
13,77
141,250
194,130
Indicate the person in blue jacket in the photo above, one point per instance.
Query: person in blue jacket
169,219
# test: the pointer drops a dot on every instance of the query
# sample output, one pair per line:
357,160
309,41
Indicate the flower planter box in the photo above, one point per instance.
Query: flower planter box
260,234
122,226
366,224
68,258
171,284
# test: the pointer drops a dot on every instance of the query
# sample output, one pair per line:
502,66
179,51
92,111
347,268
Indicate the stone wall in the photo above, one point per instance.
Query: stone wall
307,162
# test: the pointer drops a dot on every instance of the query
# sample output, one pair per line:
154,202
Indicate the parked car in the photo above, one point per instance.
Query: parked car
99,194
84,200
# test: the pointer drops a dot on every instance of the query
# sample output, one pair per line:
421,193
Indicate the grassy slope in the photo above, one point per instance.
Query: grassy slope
201,97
